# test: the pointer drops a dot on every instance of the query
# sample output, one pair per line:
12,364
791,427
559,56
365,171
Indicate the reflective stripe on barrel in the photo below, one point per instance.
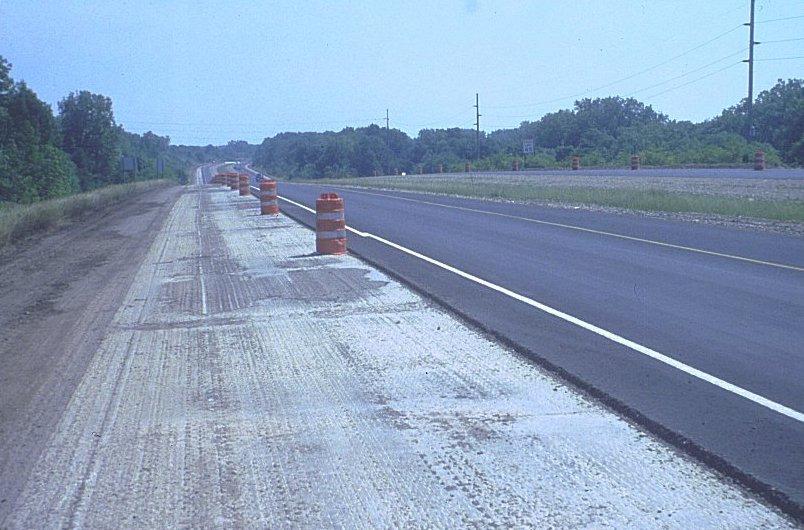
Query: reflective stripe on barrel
330,225
244,185
269,205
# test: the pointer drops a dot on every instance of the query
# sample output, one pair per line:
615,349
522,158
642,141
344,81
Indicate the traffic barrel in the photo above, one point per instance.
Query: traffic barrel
269,203
231,179
759,160
576,162
515,165
243,178
440,168
468,167
634,162
330,224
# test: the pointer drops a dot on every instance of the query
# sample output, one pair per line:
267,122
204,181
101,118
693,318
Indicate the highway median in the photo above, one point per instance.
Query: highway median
635,198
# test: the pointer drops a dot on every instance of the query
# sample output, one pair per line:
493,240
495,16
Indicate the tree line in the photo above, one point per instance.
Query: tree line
44,156
603,131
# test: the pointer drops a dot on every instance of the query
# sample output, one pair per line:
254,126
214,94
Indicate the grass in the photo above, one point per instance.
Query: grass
18,221
648,200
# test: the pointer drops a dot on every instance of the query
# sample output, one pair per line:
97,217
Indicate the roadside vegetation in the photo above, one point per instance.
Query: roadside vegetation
21,220
604,132
646,200
45,156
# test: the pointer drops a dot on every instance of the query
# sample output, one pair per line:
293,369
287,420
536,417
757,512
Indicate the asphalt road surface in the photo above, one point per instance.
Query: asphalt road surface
694,331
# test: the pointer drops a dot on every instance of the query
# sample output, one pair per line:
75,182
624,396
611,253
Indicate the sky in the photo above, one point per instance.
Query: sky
212,71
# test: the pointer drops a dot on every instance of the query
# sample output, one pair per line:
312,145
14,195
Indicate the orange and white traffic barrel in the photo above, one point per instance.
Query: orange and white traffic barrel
269,203
759,160
576,162
243,178
634,162
232,181
330,224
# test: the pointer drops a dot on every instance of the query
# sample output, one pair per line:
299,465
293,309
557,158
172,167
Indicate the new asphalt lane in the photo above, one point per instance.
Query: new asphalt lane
739,320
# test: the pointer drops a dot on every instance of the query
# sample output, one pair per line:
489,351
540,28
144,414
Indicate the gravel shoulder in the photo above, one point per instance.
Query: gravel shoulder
244,381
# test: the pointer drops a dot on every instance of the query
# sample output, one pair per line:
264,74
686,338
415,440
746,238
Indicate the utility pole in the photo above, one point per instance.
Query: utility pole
477,131
388,137
751,42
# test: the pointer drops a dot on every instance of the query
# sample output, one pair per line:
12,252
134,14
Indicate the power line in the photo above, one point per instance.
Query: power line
688,73
780,40
778,19
607,85
694,80
781,58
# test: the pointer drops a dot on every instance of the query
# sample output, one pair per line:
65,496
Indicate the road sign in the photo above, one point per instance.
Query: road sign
129,163
527,146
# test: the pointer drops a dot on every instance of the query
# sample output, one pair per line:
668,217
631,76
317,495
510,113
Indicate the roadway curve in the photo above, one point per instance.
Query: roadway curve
738,320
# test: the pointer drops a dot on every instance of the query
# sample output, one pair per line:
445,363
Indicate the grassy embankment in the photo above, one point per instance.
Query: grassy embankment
647,200
18,221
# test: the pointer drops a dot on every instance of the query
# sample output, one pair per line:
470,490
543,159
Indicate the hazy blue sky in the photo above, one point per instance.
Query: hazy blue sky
209,71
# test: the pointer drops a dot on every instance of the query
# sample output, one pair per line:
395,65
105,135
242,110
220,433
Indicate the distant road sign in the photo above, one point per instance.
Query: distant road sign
527,146
129,163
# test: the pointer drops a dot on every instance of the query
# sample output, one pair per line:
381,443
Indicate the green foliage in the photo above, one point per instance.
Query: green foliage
43,157
90,136
778,119
32,167
603,131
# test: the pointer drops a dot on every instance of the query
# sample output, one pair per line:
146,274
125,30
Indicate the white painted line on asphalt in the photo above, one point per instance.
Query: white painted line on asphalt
199,181
689,370
580,228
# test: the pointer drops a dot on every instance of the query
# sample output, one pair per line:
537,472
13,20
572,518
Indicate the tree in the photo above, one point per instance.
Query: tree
90,137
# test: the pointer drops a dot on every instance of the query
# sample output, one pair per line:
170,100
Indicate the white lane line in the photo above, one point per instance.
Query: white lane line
578,228
653,354
199,181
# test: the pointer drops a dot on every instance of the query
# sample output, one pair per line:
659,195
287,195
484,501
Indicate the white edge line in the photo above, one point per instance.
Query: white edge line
720,383
572,227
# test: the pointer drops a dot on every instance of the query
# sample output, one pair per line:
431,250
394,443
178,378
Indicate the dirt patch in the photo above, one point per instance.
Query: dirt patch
58,296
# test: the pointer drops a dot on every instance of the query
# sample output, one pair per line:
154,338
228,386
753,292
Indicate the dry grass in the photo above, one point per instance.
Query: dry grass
18,221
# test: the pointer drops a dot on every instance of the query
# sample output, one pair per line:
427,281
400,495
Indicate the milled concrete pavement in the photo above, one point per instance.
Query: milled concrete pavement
246,382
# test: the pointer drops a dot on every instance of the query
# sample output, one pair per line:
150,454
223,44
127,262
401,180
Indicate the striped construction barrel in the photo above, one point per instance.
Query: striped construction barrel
515,165
269,203
759,160
576,162
468,167
330,224
634,162
231,179
244,191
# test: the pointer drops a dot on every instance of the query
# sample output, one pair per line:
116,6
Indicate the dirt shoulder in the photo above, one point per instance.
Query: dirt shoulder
58,294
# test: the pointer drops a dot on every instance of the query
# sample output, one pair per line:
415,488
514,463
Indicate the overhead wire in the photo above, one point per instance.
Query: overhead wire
631,76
